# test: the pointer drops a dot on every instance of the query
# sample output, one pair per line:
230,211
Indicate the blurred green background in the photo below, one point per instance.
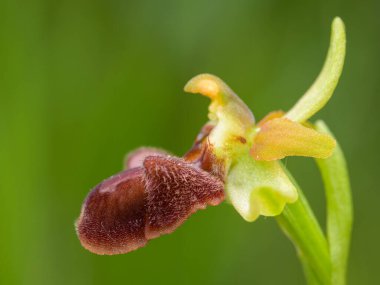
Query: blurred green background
83,82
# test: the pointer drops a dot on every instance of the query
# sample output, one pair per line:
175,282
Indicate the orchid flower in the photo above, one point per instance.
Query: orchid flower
255,182
233,157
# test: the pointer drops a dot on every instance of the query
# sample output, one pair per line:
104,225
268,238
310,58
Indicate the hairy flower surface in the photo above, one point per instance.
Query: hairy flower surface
152,198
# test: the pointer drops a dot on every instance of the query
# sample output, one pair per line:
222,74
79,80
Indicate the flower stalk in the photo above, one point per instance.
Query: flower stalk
299,223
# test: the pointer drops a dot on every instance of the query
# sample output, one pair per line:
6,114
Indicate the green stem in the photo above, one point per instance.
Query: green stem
339,208
311,277
300,225
324,262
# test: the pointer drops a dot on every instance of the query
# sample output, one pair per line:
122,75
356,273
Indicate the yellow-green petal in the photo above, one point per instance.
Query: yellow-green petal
281,137
259,188
322,89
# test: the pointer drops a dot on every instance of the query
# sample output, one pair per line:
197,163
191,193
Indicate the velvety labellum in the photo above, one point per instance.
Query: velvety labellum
125,211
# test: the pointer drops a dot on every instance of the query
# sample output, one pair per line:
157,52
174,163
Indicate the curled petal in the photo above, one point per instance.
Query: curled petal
224,100
202,154
323,87
211,163
196,151
137,157
259,188
232,118
281,137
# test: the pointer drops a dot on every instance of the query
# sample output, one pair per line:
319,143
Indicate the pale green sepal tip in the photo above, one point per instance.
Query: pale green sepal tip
323,87
259,188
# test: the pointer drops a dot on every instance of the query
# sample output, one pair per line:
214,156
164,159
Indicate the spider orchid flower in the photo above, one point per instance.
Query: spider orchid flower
256,183
233,157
